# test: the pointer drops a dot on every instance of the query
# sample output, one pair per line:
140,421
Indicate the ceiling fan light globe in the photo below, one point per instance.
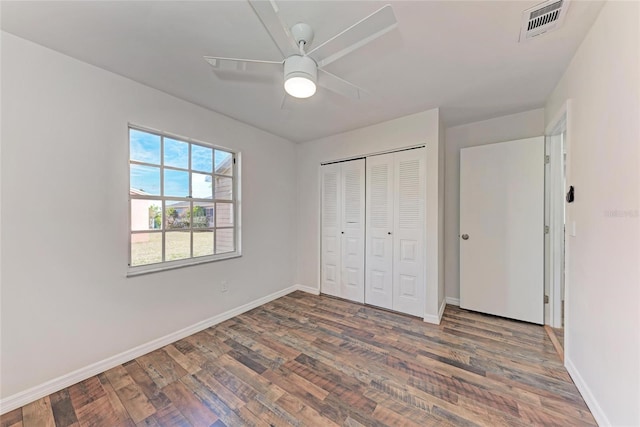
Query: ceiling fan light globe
299,86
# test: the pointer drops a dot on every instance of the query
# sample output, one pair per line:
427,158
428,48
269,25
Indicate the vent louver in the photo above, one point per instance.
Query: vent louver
542,18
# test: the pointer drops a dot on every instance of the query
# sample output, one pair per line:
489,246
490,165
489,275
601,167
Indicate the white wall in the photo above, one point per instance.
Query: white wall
505,128
65,300
602,332
407,131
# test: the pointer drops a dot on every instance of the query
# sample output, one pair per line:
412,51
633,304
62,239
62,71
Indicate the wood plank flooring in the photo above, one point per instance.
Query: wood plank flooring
559,333
556,335
318,361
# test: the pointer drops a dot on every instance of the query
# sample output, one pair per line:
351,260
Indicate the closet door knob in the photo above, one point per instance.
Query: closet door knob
342,232
389,233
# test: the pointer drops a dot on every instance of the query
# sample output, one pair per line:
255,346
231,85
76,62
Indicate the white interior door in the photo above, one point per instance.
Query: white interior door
408,233
352,230
502,229
331,218
380,226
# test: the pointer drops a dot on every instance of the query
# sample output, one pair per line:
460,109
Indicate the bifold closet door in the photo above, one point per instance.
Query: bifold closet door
409,287
395,259
342,229
379,256
352,242
331,217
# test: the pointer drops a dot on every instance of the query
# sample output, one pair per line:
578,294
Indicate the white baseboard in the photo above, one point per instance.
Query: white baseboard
441,311
585,391
307,289
436,318
453,301
34,393
431,318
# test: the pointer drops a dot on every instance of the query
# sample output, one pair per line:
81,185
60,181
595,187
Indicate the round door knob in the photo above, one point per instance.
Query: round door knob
465,237
342,232
389,233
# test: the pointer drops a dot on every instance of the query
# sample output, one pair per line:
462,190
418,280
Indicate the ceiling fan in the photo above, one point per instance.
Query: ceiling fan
304,68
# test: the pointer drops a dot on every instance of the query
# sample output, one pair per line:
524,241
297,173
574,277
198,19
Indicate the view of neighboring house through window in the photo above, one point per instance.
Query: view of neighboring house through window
182,200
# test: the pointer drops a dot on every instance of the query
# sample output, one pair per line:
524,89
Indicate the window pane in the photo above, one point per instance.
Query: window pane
224,240
201,158
202,215
202,243
176,153
177,245
224,163
146,248
177,214
144,180
201,186
176,183
224,215
146,214
224,188
144,147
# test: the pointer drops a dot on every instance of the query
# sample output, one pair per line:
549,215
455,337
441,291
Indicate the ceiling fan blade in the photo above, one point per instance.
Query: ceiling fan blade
269,14
283,104
359,34
242,65
340,86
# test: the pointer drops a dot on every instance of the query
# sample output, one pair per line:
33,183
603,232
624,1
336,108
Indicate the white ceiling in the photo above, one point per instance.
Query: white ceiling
461,56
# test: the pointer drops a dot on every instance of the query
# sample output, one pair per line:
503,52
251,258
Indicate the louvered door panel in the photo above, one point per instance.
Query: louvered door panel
352,232
379,239
408,233
331,257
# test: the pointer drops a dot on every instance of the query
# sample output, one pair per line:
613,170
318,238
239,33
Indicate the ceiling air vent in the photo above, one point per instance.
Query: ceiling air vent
542,18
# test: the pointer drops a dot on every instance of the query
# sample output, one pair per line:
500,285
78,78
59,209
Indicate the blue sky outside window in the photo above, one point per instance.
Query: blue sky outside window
144,147
145,179
176,153
201,158
176,183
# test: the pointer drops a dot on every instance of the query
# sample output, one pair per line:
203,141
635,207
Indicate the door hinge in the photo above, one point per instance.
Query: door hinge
546,299
547,159
546,229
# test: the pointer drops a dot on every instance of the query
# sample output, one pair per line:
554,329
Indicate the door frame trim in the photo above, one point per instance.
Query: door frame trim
558,257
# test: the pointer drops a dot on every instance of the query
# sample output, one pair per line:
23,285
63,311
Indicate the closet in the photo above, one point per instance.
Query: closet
373,235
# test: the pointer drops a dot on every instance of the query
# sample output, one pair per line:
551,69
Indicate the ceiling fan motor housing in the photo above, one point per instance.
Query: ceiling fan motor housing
300,76
300,66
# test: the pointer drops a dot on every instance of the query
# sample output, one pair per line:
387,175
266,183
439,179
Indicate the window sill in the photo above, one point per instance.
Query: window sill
172,265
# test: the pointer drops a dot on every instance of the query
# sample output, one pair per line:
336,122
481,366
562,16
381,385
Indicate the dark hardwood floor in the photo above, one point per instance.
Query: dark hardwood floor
318,361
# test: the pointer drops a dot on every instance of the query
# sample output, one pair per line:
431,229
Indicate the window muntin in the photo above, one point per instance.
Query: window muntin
183,201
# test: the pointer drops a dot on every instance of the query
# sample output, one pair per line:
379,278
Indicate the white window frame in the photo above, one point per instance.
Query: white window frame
235,201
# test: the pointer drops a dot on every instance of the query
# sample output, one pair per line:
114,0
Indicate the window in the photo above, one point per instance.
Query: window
183,202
